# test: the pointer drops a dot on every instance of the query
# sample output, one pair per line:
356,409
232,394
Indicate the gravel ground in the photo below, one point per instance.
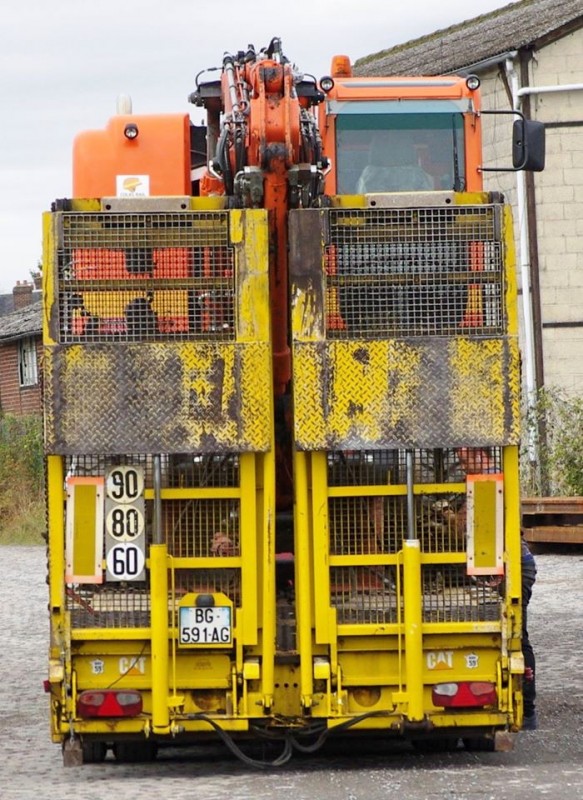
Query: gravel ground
545,764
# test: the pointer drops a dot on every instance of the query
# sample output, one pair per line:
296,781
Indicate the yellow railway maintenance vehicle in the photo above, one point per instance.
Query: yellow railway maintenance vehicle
261,364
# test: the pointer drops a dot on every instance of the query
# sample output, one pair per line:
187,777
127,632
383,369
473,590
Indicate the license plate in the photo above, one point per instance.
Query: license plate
205,626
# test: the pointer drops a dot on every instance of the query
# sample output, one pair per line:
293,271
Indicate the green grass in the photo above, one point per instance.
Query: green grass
26,525
22,515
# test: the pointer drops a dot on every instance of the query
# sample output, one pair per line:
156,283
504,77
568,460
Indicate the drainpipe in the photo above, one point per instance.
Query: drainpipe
524,263
565,87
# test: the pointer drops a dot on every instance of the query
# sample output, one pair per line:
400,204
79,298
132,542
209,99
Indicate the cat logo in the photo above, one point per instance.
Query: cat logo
440,659
132,666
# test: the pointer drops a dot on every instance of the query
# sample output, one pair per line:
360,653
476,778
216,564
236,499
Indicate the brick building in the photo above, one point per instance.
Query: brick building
528,54
20,351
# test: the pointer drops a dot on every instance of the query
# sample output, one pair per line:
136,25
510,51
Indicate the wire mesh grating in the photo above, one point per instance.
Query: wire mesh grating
201,528
227,581
363,595
377,525
414,272
150,276
191,528
450,595
108,606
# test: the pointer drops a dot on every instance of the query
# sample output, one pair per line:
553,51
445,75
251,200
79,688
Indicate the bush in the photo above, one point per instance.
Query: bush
557,423
21,479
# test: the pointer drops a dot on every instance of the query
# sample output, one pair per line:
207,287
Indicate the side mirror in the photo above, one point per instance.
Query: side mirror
528,145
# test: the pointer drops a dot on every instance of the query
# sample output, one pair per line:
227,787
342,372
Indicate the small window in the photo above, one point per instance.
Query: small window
27,365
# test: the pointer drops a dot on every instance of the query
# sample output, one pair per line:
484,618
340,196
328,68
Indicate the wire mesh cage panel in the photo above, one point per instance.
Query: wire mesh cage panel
409,272
450,595
192,527
109,606
203,470
366,525
363,595
177,470
363,467
227,581
156,276
378,524
370,524
389,467
201,528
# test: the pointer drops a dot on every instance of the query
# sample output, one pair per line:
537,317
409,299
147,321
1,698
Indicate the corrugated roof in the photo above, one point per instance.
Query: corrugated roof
26,321
515,26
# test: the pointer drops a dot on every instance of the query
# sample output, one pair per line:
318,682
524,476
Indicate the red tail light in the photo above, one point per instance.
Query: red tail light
467,694
109,703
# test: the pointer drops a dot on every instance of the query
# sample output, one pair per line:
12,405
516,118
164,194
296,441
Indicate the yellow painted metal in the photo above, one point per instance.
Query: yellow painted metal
84,519
199,493
248,543
104,634
324,616
266,533
511,303
413,629
222,392
169,678
159,637
234,414
363,408
397,490
512,519
485,524
249,233
56,523
379,663
304,575
48,273
360,201
479,395
93,204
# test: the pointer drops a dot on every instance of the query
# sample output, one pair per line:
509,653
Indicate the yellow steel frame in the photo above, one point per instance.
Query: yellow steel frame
324,643
255,621
330,653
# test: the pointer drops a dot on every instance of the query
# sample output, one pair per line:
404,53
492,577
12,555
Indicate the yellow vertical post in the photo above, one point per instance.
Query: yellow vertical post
321,557
512,619
302,577
56,522
512,518
159,636
249,548
268,581
413,633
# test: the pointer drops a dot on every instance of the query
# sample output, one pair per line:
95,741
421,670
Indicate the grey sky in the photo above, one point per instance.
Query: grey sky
63,64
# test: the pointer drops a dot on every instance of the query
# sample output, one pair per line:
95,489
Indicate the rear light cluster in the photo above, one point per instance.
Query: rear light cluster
109,703
466,694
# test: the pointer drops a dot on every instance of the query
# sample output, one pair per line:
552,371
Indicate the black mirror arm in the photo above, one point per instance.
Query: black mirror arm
525,159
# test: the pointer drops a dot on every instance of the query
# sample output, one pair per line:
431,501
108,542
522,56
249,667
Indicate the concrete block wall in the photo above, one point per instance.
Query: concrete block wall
559,199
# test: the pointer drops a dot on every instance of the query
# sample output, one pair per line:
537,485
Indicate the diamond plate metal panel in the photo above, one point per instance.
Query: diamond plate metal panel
406,393
153,397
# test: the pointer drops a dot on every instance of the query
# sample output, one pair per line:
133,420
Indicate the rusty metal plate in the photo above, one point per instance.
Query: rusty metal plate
406,393
157,397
